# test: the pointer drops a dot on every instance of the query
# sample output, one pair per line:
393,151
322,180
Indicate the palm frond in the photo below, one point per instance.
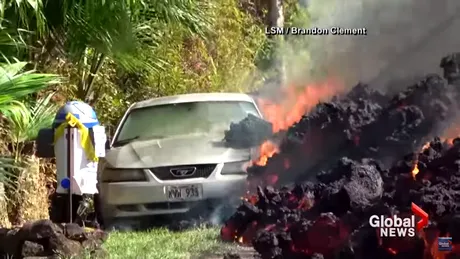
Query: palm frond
13,109
12,40
43,112
104,26
15,84
25,122
27,14
117,29
189,14
7,176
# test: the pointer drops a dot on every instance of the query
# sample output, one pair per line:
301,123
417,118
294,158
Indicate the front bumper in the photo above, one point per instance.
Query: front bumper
136,199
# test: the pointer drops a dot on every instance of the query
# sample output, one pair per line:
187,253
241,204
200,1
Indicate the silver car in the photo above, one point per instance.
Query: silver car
168,154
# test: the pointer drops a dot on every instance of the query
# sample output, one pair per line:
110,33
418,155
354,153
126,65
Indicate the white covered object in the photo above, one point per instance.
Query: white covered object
99,140
84,181
84,171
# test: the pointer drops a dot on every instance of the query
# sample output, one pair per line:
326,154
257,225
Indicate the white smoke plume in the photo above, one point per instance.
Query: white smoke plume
406,39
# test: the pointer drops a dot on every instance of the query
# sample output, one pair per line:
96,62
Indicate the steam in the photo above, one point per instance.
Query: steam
406,39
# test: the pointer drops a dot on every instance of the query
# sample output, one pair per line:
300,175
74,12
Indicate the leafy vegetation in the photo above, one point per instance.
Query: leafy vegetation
15,83
164,244
111,54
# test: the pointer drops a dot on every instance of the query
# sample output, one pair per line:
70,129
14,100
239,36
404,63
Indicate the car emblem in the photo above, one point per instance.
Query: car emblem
183,171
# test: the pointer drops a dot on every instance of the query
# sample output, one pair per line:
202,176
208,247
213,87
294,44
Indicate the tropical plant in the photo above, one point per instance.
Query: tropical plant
11,41
221,60
15,84
88,33
7,177
24,126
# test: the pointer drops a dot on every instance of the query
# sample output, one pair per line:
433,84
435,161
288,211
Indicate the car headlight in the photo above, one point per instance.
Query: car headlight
235,168
110,175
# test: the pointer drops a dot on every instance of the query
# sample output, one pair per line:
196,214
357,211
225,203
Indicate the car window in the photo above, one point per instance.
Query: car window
184,118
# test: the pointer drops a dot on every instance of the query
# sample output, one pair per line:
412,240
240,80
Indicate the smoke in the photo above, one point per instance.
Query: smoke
406,39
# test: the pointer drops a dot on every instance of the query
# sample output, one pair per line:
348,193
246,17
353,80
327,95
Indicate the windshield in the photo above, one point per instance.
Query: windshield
182,119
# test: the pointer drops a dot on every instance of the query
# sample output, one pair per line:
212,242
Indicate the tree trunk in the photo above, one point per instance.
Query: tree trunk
275,18
32,200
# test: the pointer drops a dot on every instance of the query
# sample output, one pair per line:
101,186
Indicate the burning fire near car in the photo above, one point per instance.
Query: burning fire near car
363,175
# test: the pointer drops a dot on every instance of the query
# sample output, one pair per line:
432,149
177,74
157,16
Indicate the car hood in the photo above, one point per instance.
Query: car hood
183,150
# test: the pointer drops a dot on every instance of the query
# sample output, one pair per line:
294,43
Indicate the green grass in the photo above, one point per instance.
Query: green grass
163,244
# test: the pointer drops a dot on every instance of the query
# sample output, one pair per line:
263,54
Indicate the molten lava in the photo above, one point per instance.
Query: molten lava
425,146
295,104
364,170
415,170
450,134
266,150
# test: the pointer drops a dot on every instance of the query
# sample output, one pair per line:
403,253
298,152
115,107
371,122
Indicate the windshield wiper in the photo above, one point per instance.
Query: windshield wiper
124,141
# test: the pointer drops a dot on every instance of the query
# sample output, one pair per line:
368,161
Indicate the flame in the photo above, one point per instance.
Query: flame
248,235
251,198
295,104
450,134
426,146
266,150
228,233
448,138
415,170
305,204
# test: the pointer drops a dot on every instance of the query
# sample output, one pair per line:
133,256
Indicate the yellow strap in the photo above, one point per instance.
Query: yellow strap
88,229
85,142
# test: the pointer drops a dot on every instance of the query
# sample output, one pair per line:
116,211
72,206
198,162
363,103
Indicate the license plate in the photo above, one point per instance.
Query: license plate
189,192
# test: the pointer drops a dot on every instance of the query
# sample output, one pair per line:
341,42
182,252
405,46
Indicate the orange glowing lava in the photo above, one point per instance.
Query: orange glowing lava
295,104
450,134
251,198
426,146
266,150
415,170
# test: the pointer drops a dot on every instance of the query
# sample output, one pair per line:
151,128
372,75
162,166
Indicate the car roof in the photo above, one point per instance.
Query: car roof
198,97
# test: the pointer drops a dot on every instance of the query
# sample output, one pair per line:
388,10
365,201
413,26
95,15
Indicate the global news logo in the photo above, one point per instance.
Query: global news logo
444,243
396,226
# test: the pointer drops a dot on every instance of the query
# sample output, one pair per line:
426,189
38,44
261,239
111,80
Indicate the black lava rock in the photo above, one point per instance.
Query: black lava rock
250,132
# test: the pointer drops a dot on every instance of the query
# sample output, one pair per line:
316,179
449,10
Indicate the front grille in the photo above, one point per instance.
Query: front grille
169,205
202,171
